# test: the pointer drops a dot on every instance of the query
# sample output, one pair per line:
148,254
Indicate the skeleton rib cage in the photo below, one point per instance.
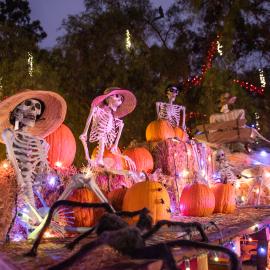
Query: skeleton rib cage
104,127
171,113
28,154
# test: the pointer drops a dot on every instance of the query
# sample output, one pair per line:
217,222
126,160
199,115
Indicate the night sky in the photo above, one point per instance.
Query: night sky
52,12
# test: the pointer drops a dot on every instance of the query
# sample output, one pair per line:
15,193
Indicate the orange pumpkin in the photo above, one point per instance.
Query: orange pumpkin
149,194
83,217
111,160
141,157
225,198
197,200
159,130
62,147
116,198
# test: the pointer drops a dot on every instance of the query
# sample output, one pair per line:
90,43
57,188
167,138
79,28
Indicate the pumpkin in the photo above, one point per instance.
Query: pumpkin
83,217
224,197
197,200
149,194
159,130
180,134
62,147
111,160
116,198
141,157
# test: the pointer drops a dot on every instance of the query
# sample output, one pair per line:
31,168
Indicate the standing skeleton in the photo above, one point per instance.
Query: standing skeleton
169,111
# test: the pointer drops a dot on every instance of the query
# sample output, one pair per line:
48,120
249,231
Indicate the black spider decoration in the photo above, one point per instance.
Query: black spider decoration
130,240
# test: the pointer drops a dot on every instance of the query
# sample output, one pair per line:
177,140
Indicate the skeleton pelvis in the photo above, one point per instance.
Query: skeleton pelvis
111,161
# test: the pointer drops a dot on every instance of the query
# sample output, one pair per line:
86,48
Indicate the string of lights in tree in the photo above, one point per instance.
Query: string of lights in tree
30,64
216,47
128,40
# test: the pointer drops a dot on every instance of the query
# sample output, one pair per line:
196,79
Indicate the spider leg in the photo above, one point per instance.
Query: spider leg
184,225
76,241
158,251
33,251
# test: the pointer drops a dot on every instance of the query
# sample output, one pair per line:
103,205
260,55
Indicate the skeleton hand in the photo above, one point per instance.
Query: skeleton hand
130,163
83,137
114,149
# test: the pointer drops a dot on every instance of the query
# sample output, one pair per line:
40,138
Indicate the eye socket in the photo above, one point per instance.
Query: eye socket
119,96
38,106
28,103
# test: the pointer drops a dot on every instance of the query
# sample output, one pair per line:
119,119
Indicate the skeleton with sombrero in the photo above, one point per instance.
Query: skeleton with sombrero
25,119
105,113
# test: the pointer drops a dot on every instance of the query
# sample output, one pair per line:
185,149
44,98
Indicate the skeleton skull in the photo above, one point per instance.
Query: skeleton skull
114,101
220,155
172,93
27,112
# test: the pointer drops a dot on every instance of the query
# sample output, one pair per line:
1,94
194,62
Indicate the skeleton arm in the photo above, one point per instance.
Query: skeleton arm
120,125
83,136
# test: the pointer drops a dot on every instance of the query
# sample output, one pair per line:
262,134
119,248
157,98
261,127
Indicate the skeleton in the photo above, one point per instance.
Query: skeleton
169,111
106,130
225,170
27,153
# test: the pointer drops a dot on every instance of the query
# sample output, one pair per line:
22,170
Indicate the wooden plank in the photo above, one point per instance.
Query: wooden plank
222,125
227,136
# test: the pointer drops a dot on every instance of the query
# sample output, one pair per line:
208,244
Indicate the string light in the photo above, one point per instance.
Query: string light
30,64
257,124
262,78
58,164
250,87
128,40
5,165
219,48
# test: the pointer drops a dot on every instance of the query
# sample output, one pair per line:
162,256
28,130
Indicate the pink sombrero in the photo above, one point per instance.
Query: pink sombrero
128,105
52,117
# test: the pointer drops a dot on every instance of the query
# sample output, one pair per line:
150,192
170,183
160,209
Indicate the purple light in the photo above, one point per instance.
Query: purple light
17,237
262,251
263,153
52,181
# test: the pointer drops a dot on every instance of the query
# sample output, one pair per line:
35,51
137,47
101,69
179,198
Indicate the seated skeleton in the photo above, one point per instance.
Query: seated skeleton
169,111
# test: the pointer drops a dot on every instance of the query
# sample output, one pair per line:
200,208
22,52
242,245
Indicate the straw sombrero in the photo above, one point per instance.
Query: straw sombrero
125,108
52,117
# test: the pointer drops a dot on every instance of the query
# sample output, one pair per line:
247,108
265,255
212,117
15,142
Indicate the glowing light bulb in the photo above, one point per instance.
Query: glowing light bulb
262,251
263,153
30,64
48,234
237,185
250,239
243,198
17,237
58,164
185,173
52,181
257,191
267,174
5,165
216,259
209,159
187,264
256,227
